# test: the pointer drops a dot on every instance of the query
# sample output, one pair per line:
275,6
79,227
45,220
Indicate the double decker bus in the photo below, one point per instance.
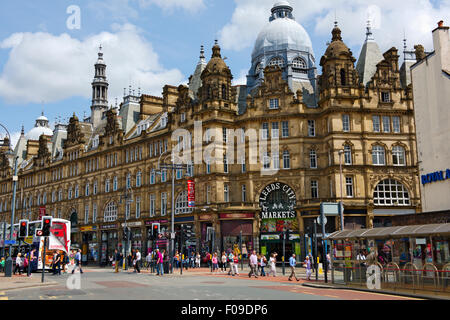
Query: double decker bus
59,240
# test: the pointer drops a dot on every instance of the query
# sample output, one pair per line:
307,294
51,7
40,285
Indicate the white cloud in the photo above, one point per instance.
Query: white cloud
416,17
242,79
50,68
189,5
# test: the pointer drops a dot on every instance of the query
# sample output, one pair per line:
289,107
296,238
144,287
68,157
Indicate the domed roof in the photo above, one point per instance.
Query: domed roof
216,64
282,32
36,132
337,47
40,128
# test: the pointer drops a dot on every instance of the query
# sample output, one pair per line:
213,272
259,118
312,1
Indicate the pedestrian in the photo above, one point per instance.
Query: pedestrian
65,262
77,261
235,264
214,261
159,263
197,260
308,268
148,259
272,263
208,260
177,260
138,261
19,263
57,263
117,260
231,263
2,265
130,260
293,264
263,265
54,263
253,264
224,261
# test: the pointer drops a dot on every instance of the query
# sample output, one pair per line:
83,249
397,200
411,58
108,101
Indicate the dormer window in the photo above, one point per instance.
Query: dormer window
278,61
299,65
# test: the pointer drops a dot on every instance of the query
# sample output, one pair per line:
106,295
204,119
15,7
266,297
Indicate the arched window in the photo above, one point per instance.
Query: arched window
181,205
138,179
299,65
391,193
343,80
110,212
378,156
398,156
277,61
348,154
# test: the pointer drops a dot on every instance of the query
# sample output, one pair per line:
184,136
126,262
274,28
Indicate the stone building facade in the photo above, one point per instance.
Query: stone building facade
102,172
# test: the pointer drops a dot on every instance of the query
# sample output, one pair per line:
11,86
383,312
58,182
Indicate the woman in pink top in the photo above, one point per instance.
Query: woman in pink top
215,262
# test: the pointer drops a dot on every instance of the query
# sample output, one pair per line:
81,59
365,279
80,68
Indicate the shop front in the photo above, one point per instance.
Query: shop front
277,202
232,226
206,229
136,236
109,243
162,242
190,241
89,247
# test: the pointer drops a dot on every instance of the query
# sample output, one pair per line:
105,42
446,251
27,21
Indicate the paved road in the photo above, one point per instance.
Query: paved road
103,284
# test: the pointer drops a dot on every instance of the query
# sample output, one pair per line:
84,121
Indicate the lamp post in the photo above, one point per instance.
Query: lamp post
128,198
341,209
172,167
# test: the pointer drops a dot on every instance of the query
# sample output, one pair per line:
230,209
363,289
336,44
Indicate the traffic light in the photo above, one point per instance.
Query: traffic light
155,230
46,225
125,233
23,228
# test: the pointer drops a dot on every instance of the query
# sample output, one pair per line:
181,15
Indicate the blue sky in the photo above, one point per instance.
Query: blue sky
149,43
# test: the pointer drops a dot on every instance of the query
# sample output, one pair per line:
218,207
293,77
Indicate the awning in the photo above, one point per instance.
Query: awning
394,232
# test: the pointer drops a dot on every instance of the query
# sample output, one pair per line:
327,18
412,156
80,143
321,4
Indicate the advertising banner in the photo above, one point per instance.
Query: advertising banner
191,193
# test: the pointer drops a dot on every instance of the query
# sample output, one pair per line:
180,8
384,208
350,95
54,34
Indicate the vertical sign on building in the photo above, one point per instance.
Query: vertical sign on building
191,193
42,212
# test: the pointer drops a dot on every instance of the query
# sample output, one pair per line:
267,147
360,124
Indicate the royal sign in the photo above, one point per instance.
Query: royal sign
277,201
435,177
191,193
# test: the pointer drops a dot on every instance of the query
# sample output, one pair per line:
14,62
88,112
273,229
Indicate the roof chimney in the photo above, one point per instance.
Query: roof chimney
441,24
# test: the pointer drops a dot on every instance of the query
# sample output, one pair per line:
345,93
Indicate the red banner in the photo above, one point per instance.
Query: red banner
191,193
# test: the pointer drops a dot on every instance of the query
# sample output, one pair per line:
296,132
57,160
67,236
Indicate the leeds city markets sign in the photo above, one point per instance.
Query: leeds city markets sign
277,201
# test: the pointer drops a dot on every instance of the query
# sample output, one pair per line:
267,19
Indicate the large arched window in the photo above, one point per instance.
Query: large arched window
277,61
391,193
181,205
110,212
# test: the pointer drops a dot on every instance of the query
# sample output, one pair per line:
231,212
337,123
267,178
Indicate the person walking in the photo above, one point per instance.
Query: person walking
224,261
263,263
159,263
77,261
130,260
19,264
57,263
148,260
272,263
117,257
235,264
138,261
253,264
231,263
293,264
215,260
308,268
197,260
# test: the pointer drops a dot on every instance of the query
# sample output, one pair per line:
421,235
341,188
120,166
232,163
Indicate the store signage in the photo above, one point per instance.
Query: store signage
237,216
149,223
88,228
277,201
184,219
205,217
191,193
132,224
270,237
435,177
111,226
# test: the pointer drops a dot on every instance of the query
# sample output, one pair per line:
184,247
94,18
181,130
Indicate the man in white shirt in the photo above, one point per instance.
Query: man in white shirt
253,264
138,261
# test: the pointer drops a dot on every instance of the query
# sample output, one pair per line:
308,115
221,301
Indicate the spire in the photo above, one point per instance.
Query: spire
22,133
369,57
99,90
216,50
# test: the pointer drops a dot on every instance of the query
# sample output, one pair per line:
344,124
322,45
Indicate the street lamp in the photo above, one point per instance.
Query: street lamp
341,213
128,196
172,167
10,154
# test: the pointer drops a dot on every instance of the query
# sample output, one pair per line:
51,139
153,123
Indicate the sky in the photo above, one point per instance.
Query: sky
48,48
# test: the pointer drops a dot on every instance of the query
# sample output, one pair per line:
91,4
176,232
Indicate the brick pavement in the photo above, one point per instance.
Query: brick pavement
22,282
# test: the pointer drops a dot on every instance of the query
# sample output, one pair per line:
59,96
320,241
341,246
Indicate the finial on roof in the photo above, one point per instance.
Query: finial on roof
22,133
369,34
202,52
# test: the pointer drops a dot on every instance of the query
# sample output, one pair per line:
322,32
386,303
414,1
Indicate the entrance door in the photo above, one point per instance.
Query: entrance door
277,246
